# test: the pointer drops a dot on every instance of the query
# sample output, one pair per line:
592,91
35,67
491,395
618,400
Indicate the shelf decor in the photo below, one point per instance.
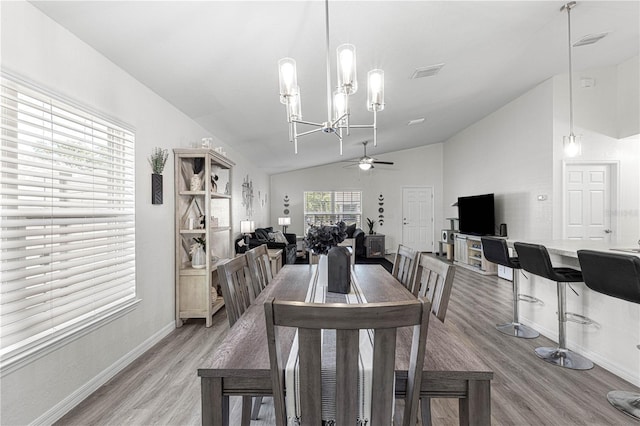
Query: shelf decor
157,160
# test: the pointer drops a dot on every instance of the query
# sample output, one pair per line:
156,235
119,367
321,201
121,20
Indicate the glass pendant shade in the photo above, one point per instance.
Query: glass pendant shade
347,82
572,145
375,92
294,105
288,78
364,166
339,104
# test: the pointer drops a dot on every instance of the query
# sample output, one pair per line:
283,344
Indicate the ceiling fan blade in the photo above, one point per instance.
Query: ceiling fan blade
383,162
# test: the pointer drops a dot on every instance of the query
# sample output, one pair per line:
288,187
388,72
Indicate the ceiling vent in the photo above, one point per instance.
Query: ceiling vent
427,71
590,39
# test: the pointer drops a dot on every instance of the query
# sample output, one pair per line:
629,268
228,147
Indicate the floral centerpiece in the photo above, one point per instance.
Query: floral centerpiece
320,239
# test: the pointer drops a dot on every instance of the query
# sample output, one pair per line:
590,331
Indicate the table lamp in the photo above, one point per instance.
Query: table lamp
284,222
246,228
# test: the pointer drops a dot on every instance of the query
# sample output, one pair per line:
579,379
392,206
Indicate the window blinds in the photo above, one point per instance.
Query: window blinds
329,207
67,249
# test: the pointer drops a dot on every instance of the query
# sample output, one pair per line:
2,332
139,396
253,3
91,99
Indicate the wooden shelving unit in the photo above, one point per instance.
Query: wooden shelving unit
468,253
201,213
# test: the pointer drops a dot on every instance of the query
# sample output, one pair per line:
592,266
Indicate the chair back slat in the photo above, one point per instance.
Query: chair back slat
404,267
434,280
235,280
347,319
259,268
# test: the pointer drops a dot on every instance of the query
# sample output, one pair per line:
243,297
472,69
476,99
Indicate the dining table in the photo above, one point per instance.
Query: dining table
240,365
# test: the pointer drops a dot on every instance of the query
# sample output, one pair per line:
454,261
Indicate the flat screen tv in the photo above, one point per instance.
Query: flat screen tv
476,215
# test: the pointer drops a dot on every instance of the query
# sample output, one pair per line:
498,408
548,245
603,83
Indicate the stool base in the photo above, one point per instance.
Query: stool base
517,330
564,358
627,402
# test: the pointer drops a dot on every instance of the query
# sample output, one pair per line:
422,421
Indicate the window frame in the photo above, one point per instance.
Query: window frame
333,213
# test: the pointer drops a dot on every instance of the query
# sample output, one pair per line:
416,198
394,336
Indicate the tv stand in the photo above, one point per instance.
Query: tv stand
468,254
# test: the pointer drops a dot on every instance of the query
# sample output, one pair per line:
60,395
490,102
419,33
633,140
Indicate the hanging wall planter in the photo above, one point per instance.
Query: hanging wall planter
157,160
156,188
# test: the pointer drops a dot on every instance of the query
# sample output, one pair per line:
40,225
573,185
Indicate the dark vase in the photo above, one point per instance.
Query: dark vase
156,188
339,270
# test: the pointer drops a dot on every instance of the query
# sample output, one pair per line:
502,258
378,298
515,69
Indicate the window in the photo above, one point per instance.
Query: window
67,249
329,207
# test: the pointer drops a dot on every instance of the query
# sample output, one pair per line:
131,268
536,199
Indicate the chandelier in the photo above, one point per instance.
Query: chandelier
338,112
571,143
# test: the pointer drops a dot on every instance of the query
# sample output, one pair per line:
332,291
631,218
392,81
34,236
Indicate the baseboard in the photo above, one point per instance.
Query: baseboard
63,407
629,376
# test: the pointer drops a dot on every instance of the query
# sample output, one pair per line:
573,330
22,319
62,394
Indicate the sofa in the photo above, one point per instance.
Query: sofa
269,237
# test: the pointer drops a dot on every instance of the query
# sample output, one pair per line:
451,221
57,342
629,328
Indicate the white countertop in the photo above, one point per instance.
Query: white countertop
570,248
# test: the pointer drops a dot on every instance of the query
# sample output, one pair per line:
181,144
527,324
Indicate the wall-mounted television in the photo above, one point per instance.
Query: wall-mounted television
476,215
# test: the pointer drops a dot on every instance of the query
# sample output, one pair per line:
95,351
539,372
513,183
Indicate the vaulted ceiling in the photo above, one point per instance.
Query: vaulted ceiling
217,61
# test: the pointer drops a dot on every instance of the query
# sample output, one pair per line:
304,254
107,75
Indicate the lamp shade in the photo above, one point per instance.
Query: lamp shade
288,77
375,90
347,69
364,166
247,226
284,221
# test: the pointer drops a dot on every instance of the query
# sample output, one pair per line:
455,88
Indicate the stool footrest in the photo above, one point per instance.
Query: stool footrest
580,319
529,299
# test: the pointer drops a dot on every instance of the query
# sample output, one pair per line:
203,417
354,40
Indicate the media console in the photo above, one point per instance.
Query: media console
468,254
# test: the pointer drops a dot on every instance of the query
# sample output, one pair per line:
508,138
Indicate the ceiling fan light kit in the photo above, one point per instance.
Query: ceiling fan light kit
338,112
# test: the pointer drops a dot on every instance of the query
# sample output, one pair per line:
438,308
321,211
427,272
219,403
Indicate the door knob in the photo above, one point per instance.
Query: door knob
608,231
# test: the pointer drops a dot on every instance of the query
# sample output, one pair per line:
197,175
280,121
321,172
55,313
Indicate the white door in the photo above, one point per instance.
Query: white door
417,218
587,197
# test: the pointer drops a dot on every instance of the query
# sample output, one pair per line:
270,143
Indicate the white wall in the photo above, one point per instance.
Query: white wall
597,119
413,167
507,153
36,48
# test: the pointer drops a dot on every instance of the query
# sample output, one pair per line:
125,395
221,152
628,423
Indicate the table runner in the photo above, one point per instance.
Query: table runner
317,293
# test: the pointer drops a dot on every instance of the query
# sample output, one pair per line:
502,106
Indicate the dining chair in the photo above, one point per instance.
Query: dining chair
235,280
259,268
347,319
433,280
404,266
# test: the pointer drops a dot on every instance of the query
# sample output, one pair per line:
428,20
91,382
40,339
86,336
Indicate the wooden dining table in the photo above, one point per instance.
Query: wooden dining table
240,366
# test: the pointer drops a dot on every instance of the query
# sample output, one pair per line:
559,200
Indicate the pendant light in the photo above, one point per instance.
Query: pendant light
571,143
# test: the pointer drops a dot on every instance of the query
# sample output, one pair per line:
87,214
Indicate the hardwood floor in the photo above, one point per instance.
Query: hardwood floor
162,387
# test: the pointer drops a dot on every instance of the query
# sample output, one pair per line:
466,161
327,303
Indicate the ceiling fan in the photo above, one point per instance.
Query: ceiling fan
365,162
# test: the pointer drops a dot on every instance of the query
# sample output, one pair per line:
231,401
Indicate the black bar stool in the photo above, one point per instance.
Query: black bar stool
616,275
495,250
535,259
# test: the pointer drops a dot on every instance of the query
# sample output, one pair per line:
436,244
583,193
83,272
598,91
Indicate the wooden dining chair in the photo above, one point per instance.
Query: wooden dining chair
259,268
347,319
235,280
404,266
433,280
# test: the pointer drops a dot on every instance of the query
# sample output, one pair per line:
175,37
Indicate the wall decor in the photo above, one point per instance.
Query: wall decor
247,195
157,160
286,205
381,210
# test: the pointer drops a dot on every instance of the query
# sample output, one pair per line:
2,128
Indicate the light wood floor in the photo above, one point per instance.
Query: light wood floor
162,387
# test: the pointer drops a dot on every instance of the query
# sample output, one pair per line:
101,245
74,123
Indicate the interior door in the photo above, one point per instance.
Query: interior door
417,218
587,197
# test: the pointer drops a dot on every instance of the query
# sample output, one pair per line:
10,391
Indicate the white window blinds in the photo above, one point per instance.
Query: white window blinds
67,249
330,207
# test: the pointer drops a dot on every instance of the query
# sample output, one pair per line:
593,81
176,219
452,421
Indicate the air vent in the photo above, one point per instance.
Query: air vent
416,121
427,71
590,39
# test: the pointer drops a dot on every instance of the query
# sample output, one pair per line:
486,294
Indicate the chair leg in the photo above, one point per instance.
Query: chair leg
246,411
561,356
627,402
257,401
514,328
425,411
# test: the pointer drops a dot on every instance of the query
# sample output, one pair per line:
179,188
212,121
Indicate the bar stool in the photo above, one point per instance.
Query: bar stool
495,250
616,275
535,259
